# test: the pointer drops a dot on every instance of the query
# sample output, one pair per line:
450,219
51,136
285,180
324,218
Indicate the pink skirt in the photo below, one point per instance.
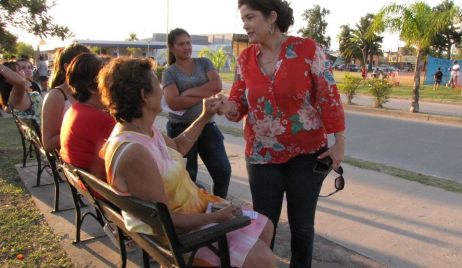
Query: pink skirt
239,242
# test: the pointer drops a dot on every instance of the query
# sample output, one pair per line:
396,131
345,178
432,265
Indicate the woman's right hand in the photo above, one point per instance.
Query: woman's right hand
228,213
225,107
208,107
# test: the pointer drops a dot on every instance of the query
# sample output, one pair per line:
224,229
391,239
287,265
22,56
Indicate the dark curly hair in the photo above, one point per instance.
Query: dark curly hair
285,13
121,82
82,74
61,57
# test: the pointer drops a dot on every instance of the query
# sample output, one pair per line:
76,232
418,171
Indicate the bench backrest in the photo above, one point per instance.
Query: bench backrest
70,172
154,214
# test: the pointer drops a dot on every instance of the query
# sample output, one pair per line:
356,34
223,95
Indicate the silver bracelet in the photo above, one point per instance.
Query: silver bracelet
186,137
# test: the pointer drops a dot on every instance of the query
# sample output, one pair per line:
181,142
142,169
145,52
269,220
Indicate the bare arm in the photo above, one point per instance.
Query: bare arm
177,102
52,118
183,143
18,97
144,181
212,87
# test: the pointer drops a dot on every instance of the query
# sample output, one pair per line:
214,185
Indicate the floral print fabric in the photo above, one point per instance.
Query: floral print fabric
290,112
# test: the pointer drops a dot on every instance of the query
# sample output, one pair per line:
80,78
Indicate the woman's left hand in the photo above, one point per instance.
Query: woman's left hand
336,152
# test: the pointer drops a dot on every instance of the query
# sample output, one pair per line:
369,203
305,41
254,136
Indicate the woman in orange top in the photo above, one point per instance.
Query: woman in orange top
285,88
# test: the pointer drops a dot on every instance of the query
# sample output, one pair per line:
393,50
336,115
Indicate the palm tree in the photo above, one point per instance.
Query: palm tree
418,24
132,50
348,50
218,58
367,42
358,43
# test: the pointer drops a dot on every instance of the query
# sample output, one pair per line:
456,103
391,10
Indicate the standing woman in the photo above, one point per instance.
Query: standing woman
186,82
60,98
285,87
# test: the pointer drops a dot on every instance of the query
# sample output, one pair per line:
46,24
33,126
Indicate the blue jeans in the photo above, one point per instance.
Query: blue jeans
296,178
212,151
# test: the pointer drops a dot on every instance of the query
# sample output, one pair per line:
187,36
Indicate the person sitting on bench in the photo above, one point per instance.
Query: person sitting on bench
143,162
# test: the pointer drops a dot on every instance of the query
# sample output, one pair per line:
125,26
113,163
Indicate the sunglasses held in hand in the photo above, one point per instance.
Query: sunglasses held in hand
324,166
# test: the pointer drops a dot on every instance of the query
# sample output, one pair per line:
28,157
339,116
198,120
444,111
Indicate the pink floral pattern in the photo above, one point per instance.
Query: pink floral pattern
290,113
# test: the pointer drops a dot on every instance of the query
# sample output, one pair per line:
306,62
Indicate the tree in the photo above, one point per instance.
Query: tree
348,49
30,15
449,36
358,43
132,50
218,58
368,43
316,28
95,49
23,49
7,42
418,25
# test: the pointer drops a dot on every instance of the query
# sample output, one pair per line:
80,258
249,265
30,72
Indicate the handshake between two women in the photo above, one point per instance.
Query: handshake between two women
219,104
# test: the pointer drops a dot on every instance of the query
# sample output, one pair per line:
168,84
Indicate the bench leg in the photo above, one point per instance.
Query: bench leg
39,166
78,214
224,252
122,251
24,151
56,179
146,260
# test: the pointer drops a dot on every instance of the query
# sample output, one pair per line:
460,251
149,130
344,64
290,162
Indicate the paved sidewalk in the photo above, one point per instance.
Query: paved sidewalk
393,221
97,251
377,221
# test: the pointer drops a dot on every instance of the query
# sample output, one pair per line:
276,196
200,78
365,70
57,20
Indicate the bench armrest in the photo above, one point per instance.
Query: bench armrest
205,236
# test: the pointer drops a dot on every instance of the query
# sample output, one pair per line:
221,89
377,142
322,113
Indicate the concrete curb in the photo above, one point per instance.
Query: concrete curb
453,120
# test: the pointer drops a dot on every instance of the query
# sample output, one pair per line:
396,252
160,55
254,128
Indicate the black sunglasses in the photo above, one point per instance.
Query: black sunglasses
339,182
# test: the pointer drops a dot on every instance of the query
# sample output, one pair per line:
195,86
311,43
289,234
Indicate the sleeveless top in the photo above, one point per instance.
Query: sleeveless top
182,193
35,109
67,103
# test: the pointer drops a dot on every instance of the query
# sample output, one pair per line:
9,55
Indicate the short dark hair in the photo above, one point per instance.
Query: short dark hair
285,13
171,38
121,82
82,74
62,57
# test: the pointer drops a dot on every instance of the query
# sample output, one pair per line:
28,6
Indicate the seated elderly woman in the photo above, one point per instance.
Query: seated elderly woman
86,126
16,94
143,162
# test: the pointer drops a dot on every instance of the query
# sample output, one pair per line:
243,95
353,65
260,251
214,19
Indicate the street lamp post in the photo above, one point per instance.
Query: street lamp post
147,54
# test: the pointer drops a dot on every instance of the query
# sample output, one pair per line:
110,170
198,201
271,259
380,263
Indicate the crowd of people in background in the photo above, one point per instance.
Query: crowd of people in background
98,115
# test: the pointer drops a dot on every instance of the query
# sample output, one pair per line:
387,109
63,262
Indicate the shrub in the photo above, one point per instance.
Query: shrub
350,86
159,71
380,89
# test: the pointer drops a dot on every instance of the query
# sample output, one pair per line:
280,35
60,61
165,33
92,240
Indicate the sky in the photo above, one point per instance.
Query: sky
114,20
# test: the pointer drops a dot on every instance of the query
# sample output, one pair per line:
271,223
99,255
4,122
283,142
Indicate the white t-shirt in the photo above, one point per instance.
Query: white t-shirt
42,68
455,70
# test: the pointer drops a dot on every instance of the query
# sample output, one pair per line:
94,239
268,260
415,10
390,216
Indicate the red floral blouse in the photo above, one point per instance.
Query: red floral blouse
291,113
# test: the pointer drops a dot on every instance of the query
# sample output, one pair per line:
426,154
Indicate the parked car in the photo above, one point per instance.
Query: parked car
339,67
352,68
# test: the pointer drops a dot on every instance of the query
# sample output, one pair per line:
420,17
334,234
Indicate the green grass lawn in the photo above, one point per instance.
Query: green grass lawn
23,229
403,91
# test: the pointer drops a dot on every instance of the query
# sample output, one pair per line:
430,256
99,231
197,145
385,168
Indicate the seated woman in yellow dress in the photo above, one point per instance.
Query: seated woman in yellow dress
143,162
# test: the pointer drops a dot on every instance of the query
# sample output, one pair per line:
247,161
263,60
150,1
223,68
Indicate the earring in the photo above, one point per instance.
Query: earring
271,29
